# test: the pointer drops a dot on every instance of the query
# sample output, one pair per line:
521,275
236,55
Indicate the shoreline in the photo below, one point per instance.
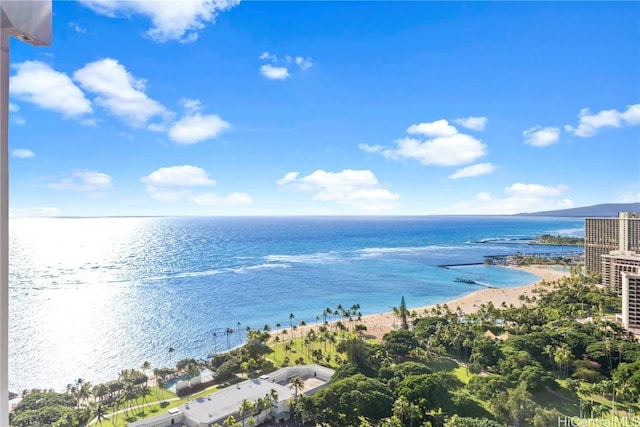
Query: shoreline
381,323
384,322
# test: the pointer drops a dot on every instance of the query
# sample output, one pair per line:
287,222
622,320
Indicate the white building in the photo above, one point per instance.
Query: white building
216,407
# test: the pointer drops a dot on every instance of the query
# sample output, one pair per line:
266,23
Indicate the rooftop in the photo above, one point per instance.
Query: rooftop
220,404
227,401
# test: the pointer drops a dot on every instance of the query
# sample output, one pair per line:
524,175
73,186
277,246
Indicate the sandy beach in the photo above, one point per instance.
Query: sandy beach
379,324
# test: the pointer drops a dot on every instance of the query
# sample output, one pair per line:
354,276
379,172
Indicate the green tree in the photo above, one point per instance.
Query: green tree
296,384
399,342
406,411
545,417
520,405
429,391
246,407
403,314
100,413
341,402
485,352
457,421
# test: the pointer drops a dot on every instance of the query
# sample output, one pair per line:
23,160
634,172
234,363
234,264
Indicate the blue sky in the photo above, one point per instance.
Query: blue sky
347,108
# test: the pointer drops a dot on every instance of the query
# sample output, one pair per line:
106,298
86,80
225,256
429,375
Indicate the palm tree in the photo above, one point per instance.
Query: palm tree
230,422
171,350
100,413
563,357
239,336
84,392
146,366
406,411
267,331
273,397
246,406
159,386
229,331
145,391
291,317
297,384
548,349
215,346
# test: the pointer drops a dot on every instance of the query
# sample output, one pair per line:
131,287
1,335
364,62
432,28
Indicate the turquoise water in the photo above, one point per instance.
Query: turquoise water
92,296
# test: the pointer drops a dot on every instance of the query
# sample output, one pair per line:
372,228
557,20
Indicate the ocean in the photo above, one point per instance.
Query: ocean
92,296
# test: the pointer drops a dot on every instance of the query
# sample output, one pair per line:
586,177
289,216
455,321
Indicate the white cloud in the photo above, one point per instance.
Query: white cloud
520,198
38,83
13,108
278,68
22,153
89,122
473,123
520,189
632,115
177,183
371,148
274,73
180,20
303,63
195,128
358,189
437,128
288,178
473,170
589,123
119,92
179,176
34,211
442,151
191,105
541,137
77,28
157,127
84,180
444,146
270,57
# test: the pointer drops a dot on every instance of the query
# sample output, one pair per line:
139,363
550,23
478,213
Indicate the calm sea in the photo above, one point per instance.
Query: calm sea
92,296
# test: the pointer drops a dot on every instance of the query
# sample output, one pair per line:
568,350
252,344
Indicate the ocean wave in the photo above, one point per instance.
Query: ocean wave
260,267
504,239
572,232
182,275
404,250
314,258
239,270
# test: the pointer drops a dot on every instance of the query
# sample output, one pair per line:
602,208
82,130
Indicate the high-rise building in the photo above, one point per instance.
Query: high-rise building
614,265
605,235
612,248
631,302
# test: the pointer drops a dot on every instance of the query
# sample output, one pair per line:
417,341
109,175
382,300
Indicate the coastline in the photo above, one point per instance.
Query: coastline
381,323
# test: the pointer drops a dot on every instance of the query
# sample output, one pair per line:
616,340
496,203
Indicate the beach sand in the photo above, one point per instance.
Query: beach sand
379,324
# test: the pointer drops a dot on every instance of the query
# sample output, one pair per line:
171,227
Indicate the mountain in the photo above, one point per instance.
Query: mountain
603,210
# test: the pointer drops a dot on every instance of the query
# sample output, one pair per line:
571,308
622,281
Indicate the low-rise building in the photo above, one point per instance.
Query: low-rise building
218,406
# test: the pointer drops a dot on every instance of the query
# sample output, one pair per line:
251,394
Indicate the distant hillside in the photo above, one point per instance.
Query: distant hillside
604,210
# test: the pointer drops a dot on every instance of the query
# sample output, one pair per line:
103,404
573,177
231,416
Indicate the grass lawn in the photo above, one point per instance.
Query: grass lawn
560,399
299,350
167,400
